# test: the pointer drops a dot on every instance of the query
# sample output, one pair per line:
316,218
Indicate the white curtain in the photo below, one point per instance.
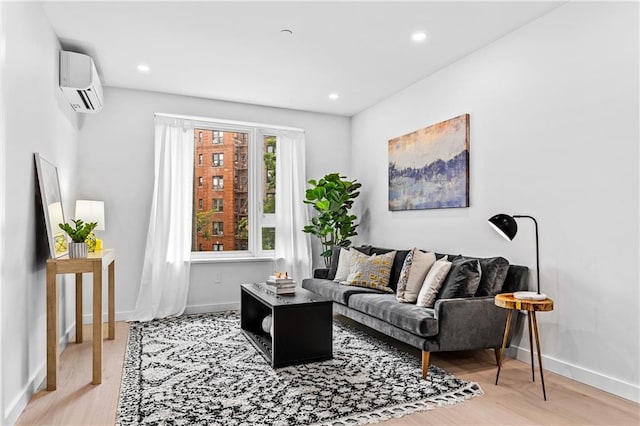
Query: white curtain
167,259
293,247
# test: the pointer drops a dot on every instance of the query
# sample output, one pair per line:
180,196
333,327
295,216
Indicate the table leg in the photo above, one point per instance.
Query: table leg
112,302
504,342
79,307
97,323
535,328
52,329
530,322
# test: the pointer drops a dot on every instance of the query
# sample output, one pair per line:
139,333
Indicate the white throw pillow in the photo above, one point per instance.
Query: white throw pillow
432,283
414,271
344,265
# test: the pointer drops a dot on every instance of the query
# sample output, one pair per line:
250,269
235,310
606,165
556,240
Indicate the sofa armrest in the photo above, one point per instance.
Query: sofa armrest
470,323
321,273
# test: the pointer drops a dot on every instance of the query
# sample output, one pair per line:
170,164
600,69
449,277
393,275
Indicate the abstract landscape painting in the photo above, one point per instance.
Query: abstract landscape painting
429,168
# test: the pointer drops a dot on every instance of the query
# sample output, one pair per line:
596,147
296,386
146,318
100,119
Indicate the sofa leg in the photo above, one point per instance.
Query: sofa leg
425,364
497,351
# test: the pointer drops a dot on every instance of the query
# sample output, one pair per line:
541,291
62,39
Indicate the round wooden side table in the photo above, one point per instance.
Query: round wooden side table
507,301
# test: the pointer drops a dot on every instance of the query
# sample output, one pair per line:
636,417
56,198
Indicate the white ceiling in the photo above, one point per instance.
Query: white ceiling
235,50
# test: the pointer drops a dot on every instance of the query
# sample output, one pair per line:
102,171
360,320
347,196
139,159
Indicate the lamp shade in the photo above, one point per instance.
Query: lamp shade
504,225
91,211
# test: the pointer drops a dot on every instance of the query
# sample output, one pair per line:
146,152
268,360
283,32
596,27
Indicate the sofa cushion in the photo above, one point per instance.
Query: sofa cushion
432,283
370,271
344,266
333,267
335,258
415,269
334,291
463,279
494,271
398,261
409,317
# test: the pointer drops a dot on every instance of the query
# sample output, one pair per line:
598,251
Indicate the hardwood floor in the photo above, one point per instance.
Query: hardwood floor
515,401
77,401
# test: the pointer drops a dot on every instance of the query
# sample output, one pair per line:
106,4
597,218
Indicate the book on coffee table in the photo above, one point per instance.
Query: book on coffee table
281,285
279,281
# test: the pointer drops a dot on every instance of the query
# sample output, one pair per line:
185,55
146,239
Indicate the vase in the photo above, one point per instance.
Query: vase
91,242
78,250
267,324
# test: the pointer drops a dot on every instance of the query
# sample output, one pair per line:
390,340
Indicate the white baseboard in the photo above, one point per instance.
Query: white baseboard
120,316
212,307
36,380
191,309
592,378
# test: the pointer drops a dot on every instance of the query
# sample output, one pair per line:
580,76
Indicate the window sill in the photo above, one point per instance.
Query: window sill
231,259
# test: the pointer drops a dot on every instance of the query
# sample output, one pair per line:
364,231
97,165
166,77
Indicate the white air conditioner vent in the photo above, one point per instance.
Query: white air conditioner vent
79,82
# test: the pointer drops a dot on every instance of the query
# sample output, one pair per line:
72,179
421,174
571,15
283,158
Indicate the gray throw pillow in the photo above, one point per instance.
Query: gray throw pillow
494,272
335,257
463,279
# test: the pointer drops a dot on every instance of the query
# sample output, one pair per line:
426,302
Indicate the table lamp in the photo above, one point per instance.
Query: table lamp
506,226
92,211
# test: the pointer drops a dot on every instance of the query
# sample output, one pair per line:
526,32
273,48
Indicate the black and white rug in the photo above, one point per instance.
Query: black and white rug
200,369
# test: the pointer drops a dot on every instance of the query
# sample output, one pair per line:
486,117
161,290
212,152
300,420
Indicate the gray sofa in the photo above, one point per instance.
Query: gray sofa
451,325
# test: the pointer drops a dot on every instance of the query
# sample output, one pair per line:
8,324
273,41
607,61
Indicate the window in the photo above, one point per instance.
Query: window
200,158
269,158
240,222
240,184
200,204
200,137
217,182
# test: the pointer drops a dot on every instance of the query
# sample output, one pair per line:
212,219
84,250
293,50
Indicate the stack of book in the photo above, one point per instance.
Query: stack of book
281,285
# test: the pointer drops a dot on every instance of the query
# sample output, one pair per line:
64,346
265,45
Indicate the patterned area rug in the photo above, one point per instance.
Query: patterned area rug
201,369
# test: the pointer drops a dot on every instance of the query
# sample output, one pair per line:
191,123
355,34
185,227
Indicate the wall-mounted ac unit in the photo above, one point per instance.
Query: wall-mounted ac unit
79,82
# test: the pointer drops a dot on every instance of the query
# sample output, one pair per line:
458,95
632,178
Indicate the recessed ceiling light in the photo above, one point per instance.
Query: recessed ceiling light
143,68
419,36
333,96
286,32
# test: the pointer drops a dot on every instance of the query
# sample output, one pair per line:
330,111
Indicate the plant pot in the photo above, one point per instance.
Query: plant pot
78,250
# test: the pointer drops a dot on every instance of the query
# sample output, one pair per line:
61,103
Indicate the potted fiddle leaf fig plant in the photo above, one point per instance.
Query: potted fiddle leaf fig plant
332,197
78,248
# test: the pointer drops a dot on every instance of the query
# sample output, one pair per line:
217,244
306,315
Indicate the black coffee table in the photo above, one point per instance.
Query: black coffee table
302,324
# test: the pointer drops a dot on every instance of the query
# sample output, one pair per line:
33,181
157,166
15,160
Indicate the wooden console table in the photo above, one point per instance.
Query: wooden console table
65,265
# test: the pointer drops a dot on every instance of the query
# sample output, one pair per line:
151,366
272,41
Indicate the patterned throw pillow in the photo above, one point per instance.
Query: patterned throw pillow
371,271
432,283
416,266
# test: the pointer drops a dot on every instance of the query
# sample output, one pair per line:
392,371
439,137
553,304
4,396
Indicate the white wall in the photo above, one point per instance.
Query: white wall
37,118
116,148
554,134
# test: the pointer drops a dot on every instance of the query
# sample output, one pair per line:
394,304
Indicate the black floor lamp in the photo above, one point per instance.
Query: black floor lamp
506,226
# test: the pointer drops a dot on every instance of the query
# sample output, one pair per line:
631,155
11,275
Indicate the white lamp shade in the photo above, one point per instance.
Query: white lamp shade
91,211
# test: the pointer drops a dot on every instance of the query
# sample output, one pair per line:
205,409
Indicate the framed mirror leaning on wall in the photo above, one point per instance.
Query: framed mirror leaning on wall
51,205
